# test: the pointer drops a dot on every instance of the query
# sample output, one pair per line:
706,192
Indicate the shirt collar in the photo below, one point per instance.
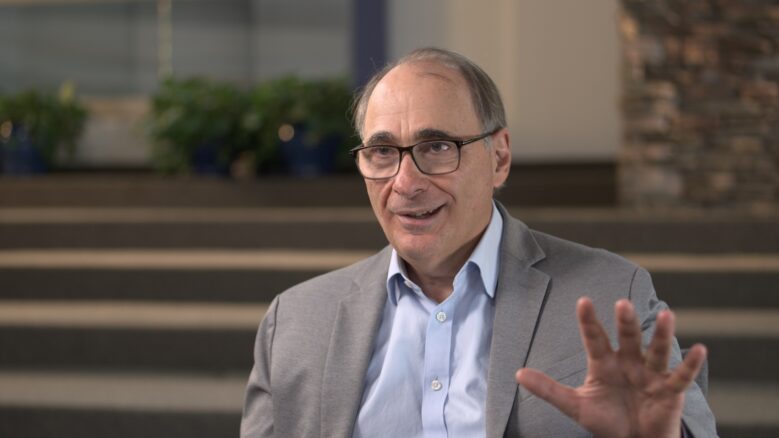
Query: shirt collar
485,257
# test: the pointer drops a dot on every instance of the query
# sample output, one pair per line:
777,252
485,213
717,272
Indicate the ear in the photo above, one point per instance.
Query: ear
501,157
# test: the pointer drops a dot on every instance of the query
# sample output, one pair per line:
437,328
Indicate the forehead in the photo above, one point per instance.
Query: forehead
420,96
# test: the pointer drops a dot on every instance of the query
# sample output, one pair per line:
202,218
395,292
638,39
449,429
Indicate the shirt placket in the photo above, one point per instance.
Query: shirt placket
438,345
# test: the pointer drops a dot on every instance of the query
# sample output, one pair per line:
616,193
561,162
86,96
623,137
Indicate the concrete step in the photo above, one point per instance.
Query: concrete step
683,280
139,284
742,344
218,338
71,404
356,228
535,184
745,409
149,190
84,405
182,337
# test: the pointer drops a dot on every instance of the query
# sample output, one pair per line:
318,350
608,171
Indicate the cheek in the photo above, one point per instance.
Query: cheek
377,194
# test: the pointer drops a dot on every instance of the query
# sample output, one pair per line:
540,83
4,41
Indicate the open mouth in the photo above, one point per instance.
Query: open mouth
423,214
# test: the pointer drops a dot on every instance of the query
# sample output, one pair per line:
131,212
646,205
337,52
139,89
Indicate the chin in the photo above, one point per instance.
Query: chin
416,247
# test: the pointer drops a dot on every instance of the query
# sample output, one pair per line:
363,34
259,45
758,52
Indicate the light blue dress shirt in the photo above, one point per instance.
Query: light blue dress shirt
428,373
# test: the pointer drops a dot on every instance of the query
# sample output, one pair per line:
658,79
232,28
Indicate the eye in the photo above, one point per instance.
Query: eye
440,146
383,151
380,153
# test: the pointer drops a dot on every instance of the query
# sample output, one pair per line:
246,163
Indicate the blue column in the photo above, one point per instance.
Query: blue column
369,38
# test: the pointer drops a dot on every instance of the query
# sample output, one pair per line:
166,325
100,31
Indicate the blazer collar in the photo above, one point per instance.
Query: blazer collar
351,347
520,295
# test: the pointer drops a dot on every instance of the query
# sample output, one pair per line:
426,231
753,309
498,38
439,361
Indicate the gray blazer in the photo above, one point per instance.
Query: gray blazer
315,342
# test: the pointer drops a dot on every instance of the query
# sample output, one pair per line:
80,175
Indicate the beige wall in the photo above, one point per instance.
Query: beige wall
555,61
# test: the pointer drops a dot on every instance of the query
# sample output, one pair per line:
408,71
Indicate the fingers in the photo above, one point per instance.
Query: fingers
659,351
685,373
594,336
628,332
560,396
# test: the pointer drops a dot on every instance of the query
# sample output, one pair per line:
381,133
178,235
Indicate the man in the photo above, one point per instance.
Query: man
464,325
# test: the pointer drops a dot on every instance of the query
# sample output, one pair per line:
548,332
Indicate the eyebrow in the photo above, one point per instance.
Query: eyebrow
385,137
433,134
381,137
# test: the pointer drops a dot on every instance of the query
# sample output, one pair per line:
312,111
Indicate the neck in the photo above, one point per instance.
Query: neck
436,277
436,287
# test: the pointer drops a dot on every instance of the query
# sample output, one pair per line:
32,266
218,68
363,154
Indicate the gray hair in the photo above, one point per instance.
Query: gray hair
484,94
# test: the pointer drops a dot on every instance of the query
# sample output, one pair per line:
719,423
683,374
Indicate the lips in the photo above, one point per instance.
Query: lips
423,214
418,214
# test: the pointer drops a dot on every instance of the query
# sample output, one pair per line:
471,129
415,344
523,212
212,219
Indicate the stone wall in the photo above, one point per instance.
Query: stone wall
701,103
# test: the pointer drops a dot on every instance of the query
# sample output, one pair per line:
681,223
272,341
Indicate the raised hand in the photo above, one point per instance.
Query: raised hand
627,393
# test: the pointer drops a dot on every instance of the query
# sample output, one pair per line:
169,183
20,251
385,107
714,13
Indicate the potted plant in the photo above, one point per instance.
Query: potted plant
301,125
196,125
36,128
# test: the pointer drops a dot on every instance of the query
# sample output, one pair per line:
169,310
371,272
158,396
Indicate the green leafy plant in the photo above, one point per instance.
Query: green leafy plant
316,109
48,122
192,116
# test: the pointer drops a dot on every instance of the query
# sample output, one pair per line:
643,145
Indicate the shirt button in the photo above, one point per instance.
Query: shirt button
436,385
440,316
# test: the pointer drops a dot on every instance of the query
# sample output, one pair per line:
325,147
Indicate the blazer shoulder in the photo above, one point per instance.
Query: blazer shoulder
568,253
333,285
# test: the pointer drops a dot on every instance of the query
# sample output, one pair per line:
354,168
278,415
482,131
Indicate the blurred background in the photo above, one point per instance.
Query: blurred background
168,167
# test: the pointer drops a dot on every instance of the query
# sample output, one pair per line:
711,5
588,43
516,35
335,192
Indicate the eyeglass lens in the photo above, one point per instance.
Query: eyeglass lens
432,158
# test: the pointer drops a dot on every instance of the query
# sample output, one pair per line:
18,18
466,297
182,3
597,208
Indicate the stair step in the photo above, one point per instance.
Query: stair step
722,289
35,404
355,228
530,184
157,284
683,280
42,422
124,391
79,404
196,259
678,289
128,335
144,190
729,322
123,315
745,409
220,337
312,259
138,349
244,235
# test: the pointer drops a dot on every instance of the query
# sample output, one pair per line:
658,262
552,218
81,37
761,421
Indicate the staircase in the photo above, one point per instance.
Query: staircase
129,305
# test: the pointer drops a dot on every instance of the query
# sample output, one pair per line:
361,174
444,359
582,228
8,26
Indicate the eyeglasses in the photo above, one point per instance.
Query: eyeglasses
432,157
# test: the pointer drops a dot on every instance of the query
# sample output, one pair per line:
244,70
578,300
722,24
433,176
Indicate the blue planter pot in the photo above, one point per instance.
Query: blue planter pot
309,160
206,159
20,156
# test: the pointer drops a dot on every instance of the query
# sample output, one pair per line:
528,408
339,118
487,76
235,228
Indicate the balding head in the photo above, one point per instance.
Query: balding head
484,94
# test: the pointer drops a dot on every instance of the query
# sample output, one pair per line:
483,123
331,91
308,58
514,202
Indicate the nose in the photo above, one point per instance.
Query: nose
409,181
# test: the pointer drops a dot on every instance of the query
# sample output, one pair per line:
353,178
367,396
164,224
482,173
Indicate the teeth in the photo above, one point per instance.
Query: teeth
423,214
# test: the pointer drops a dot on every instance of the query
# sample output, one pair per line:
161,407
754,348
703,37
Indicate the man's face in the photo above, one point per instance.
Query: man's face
434,222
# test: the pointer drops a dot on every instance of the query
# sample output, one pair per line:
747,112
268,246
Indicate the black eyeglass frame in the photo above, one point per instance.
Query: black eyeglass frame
403,149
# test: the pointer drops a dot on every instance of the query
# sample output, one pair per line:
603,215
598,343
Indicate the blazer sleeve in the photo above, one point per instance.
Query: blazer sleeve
697,418
257,418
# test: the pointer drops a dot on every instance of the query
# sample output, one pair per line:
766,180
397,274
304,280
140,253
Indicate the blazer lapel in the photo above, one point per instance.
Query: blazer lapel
518,303
351,344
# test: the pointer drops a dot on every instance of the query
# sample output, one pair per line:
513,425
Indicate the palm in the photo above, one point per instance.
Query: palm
626,393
